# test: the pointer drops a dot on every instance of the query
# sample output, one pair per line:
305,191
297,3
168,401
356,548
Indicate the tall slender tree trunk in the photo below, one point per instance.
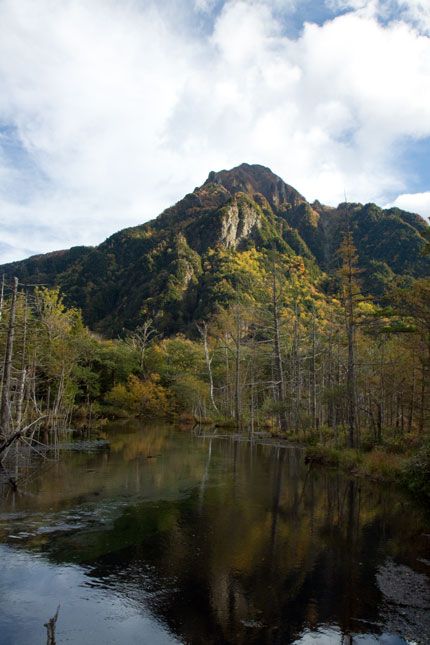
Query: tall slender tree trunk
251,410
297,376
348,271
331,411
313,378
278,358
422,399
203,329
5,395
237,379
23,375
1,296
228,398
351,379
350,329
411,408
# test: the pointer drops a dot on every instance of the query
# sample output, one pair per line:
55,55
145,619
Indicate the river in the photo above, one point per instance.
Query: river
157,536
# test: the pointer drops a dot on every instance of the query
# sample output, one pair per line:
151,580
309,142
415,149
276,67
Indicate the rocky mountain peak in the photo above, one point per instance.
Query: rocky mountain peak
252,179
190,262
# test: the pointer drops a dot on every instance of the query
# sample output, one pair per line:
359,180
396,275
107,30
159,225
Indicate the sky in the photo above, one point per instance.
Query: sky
113,110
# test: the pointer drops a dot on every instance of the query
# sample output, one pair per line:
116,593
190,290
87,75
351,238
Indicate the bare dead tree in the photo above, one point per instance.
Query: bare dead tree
203,330
4,407
23,375
237,379
278,357
139,339
1,296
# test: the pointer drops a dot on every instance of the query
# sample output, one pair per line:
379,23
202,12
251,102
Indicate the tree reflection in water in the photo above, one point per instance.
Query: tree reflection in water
227,541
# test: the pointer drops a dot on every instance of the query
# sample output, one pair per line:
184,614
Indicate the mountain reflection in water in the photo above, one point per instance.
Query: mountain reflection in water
165,536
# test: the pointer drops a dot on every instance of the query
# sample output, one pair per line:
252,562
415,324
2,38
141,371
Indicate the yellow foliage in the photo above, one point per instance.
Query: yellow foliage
366,308
119,397
147,398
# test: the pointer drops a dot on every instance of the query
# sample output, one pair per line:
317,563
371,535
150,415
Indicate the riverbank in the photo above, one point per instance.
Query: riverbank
404,461
411,470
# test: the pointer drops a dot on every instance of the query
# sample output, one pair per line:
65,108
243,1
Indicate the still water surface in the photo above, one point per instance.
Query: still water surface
161,536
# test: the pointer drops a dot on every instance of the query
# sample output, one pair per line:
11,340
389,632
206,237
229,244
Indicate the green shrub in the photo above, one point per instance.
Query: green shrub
349,459
382,464
394,445
416,471
367,442
322,455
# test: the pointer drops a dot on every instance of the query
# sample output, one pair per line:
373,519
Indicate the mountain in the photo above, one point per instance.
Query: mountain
199,254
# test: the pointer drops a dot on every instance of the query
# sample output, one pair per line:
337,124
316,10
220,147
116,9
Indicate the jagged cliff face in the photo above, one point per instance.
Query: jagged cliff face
239,222
187,262
228,207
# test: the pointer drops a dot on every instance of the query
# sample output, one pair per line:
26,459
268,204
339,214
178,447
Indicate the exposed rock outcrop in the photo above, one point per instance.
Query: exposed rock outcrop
251,179
238,222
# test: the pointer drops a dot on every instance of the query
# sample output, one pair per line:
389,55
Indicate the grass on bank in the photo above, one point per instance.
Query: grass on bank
401,459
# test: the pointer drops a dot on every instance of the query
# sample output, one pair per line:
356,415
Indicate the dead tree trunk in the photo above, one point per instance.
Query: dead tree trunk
278,357
237,380
5,395
313,378
23,375
203,329
16,435
348,272
1,296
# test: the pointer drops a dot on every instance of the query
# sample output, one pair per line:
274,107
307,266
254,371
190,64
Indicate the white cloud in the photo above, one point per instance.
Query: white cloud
416,12
120,108
415,203
205,5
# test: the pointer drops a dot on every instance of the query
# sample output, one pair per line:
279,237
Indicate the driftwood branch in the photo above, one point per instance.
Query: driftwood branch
50,628
17,434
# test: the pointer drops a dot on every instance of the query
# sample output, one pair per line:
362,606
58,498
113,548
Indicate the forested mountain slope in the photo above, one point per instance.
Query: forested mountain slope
217,245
